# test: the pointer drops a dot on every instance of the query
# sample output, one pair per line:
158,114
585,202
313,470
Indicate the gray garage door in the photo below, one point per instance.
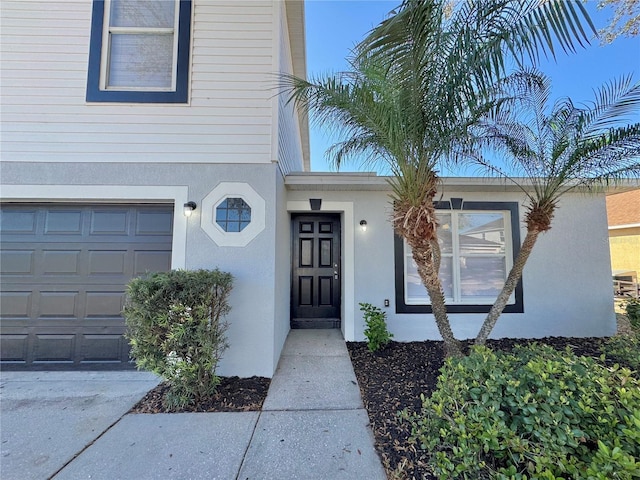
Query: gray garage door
63,274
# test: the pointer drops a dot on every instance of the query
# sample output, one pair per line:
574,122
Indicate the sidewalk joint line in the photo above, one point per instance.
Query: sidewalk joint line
328,409
246,450
87,446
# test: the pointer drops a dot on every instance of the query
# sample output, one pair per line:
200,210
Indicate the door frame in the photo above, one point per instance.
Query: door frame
300,316
345,209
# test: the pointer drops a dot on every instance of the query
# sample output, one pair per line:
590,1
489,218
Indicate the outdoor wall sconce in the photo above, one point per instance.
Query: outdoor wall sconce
189,207
363,225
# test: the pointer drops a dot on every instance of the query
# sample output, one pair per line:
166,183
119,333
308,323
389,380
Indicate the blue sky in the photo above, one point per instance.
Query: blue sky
333,27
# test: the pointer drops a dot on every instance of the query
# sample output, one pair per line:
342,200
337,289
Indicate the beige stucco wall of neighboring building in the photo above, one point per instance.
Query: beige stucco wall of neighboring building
625,248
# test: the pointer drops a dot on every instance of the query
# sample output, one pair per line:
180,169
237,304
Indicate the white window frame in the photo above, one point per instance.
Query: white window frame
226,190
108,31
457,298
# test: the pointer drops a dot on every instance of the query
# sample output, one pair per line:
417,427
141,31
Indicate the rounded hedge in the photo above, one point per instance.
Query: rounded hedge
533,413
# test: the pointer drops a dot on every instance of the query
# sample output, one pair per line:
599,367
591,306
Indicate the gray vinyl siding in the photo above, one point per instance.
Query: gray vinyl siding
289,139
45,47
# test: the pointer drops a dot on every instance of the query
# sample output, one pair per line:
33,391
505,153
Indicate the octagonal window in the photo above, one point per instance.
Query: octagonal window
233,214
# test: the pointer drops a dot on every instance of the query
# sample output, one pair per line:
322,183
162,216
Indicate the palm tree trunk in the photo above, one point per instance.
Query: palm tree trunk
427,258
509,286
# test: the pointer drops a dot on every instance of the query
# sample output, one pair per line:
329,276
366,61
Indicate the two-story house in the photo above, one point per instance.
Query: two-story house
144,135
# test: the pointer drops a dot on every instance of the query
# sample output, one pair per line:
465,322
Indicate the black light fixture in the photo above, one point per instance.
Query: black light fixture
363,225
189,207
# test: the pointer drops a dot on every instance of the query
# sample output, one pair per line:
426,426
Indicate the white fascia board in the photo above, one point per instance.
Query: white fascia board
628,225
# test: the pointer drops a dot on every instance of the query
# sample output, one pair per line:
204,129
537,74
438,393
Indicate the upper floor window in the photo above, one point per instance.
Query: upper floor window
478,245
139,51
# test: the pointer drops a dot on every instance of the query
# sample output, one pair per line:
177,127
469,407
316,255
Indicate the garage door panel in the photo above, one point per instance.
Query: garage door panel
64,272
65,221
55,348
18,220
61,262
112,222
14,348
59,304
103,348
104,305
154,223
151,261
17,262
15,305
107,262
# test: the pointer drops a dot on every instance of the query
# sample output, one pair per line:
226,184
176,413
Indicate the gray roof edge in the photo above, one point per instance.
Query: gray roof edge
367,181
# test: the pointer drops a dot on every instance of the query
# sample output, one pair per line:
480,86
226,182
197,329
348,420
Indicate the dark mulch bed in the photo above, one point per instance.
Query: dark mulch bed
393,379
234,394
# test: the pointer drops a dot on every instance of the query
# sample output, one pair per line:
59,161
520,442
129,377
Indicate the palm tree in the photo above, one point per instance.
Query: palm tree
552,152
418,81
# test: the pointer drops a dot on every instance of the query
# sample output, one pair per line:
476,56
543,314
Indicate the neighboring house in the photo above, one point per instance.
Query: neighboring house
623,213
117,114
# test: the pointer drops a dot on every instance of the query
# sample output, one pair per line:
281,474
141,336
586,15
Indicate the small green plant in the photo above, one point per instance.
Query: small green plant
376,332
632,309
533,413
175,327
624,349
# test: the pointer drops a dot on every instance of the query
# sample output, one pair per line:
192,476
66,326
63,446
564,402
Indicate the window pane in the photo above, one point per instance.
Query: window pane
415,290
143,13
446,276
444,233
481,233
234,214
481,276
141,61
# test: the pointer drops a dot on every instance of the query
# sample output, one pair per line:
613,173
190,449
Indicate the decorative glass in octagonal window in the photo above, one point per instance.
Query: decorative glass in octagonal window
233,214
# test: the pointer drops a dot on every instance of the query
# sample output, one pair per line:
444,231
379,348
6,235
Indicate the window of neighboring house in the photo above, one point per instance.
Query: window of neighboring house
233,214
478,245
139,51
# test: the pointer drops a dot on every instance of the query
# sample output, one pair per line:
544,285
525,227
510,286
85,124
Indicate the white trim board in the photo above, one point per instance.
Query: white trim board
348,257
178,195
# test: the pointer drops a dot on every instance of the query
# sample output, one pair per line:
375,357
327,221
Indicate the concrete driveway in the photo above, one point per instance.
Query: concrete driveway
47,418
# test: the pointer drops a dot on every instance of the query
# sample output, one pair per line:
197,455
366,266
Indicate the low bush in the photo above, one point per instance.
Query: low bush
624,349
632,309
534,413
376,332
175,327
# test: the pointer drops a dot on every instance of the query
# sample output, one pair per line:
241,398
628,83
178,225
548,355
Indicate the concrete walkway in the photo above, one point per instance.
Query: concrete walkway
75,425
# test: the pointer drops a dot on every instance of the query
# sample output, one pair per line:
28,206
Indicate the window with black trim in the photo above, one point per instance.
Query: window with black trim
478,243
139,51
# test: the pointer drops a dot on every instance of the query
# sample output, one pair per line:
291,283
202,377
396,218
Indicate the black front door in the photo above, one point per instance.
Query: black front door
315,286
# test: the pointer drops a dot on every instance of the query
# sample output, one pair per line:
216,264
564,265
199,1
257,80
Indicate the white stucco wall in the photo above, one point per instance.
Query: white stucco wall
253,349
567,284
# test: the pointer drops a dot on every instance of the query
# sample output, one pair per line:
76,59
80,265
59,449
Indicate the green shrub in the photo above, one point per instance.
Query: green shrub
175,328
376,332
536,413
624,349
632,309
